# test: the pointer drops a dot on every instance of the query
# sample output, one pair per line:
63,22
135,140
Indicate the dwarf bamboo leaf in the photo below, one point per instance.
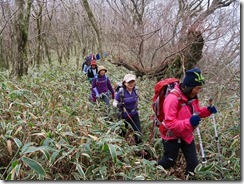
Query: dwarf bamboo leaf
139,178
26,146
34,165
9,177
44,149
53,157
80,170
17,168
18,142
112,150
69,133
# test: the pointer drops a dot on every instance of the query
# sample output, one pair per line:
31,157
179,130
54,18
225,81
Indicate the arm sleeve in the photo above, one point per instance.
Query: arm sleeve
110,87
85,69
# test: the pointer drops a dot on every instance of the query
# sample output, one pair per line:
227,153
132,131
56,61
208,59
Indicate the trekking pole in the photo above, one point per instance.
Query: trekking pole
152,134
130,118
210,102
204,160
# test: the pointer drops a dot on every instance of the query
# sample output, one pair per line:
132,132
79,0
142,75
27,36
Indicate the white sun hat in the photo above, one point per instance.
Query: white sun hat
129,77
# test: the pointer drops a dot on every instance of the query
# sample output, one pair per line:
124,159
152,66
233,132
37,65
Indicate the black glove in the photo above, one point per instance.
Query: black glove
120,105
195,120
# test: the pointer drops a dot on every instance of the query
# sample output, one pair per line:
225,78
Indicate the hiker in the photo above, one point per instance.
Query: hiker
87,63
101,86
127,100
182,116
98,57
92,71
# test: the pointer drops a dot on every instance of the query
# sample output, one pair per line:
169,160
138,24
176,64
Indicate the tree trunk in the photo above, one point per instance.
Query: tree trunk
186,58
38,17
182,51
95,26
21,28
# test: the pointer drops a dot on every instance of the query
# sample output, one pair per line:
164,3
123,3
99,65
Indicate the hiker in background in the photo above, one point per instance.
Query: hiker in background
92,71
182,115
98,57
105,54
127,101
87,63
101,86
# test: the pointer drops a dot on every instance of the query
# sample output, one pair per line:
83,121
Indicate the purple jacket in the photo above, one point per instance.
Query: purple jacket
102,84
130,102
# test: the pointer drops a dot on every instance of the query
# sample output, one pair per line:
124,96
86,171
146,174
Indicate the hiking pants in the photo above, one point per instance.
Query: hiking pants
171,152
136,125
105,98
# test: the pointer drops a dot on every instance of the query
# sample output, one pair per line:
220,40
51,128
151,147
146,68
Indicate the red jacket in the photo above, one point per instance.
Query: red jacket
178,112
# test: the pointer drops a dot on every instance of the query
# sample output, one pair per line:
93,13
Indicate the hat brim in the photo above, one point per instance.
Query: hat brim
130,79
103,69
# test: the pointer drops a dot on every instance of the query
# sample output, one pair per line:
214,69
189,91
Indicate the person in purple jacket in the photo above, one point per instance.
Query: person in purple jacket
127,101
101,86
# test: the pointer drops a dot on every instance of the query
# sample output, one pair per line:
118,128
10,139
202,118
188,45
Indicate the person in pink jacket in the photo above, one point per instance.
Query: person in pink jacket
182,115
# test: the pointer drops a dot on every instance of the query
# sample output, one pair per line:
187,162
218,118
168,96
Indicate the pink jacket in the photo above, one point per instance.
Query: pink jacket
177,116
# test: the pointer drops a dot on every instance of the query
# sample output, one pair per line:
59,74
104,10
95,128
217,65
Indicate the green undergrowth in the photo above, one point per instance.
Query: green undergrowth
51,131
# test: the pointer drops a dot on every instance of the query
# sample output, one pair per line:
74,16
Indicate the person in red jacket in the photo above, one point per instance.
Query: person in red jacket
182,115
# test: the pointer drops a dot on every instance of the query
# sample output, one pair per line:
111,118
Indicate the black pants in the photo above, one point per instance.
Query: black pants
171,152
136,125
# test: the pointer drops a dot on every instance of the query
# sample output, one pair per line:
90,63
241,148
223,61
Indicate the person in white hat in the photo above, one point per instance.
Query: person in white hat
127,101
101,86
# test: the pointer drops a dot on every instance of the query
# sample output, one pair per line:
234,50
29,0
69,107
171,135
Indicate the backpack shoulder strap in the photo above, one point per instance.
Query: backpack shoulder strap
96,78
136,90
176,93
121,93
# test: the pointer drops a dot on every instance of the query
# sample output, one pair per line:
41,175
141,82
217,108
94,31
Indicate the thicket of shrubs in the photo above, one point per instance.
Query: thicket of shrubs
50,131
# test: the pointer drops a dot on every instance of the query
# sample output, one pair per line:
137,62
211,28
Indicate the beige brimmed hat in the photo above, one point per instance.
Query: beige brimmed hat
129,77
101,68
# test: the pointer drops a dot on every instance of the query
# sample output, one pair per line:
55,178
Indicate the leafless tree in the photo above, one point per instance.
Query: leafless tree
166,42
94,25
152,38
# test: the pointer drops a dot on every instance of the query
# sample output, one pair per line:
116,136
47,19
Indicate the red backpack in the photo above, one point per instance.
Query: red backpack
161,90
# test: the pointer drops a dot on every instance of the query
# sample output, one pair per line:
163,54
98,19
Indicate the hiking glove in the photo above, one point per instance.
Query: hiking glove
212,109
94,99
120,105
195,120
